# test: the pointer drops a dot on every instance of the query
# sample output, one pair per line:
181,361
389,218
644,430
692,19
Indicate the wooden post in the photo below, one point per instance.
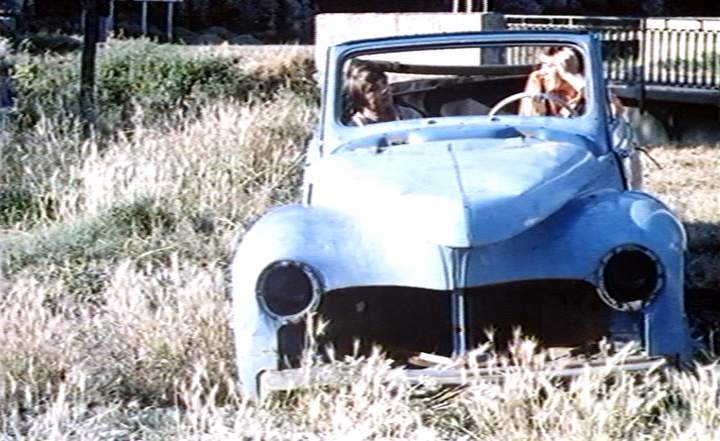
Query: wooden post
170,21
112,16
644,60
144,19
87,66
104,20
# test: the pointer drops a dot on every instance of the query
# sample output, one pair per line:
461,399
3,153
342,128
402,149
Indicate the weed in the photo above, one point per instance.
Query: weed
17,204
93,238
114,320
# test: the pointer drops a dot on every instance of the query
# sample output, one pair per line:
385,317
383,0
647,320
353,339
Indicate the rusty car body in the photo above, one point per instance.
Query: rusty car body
419,235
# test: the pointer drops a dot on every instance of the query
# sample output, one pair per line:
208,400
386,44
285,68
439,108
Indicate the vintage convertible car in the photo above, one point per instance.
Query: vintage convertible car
420,232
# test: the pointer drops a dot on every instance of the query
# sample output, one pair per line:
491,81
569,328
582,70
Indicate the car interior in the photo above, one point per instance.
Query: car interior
458,81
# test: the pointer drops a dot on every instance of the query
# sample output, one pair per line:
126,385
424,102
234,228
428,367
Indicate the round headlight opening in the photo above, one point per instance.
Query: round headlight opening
288,289
630,276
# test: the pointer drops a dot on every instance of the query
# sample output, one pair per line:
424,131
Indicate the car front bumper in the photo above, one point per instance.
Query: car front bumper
459,373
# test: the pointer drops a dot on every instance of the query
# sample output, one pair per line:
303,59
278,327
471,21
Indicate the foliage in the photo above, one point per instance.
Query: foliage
46,42
114,318
519,7
16,204
145,79
98,237
157,80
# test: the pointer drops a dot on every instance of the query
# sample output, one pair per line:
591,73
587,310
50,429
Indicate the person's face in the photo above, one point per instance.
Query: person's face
380,100
561,64
548,67
551,74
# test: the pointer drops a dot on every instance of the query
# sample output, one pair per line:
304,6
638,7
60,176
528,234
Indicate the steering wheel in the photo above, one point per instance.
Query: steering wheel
535,96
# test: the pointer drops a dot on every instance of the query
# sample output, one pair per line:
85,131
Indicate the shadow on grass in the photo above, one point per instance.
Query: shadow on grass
703,259
702,281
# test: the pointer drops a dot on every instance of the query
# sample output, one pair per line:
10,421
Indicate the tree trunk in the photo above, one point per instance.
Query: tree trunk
87,67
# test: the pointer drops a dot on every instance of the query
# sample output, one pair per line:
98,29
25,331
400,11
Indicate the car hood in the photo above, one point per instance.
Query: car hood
457,194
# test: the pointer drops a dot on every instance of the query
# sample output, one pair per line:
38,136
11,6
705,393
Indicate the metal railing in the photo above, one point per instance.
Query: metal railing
676,52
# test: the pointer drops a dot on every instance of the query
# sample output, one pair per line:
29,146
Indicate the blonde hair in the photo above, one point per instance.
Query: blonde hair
565,58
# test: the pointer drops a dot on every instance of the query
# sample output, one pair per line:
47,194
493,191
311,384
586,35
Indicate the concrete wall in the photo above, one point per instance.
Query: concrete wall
331,29
661,121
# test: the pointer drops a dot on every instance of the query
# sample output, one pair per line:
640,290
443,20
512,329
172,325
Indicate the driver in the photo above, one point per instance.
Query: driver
368,98
560,74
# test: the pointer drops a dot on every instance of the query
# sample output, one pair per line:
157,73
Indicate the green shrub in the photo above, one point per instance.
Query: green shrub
161,79
46,87
151,80
50,42
16,204
96,238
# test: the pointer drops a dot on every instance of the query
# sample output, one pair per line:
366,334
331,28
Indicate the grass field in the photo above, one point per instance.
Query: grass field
113,296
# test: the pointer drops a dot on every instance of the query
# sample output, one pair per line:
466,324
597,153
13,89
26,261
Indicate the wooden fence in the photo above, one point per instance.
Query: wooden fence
672,52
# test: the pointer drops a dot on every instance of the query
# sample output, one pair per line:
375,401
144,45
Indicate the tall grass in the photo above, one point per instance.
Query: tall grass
690,182
158,79
114,310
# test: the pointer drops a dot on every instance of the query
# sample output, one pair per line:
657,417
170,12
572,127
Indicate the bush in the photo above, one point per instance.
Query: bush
160,79
95,238
150,80
45,42
46,87
16,204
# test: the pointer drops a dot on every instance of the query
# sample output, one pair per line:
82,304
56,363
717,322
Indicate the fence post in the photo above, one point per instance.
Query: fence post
644,59
492,21
87,66
144,19
170,21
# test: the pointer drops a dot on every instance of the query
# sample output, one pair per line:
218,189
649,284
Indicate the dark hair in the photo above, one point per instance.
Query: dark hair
361,78
552,50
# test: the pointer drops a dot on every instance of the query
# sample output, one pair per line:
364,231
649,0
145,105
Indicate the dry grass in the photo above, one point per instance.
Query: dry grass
689,181
132,340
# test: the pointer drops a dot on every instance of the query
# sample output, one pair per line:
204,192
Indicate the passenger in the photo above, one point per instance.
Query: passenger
367,96
560,75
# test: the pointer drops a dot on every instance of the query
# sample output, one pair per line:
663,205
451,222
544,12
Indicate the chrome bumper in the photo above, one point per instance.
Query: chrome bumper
453,375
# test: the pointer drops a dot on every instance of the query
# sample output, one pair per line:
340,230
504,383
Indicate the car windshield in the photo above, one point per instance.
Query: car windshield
526,80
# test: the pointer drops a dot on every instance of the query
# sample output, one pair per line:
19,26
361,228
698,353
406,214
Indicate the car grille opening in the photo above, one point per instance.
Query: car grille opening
405,321
559,313
402,321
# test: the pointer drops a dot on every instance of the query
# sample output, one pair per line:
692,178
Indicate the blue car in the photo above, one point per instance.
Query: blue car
459,187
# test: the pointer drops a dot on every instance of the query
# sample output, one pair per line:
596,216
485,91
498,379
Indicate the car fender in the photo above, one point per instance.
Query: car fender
344,251
341,251
571,243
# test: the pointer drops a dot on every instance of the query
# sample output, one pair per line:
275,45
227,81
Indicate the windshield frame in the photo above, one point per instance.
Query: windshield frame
592,123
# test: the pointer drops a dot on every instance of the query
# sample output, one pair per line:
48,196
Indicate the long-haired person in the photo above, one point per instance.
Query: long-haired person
560,74
367,96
